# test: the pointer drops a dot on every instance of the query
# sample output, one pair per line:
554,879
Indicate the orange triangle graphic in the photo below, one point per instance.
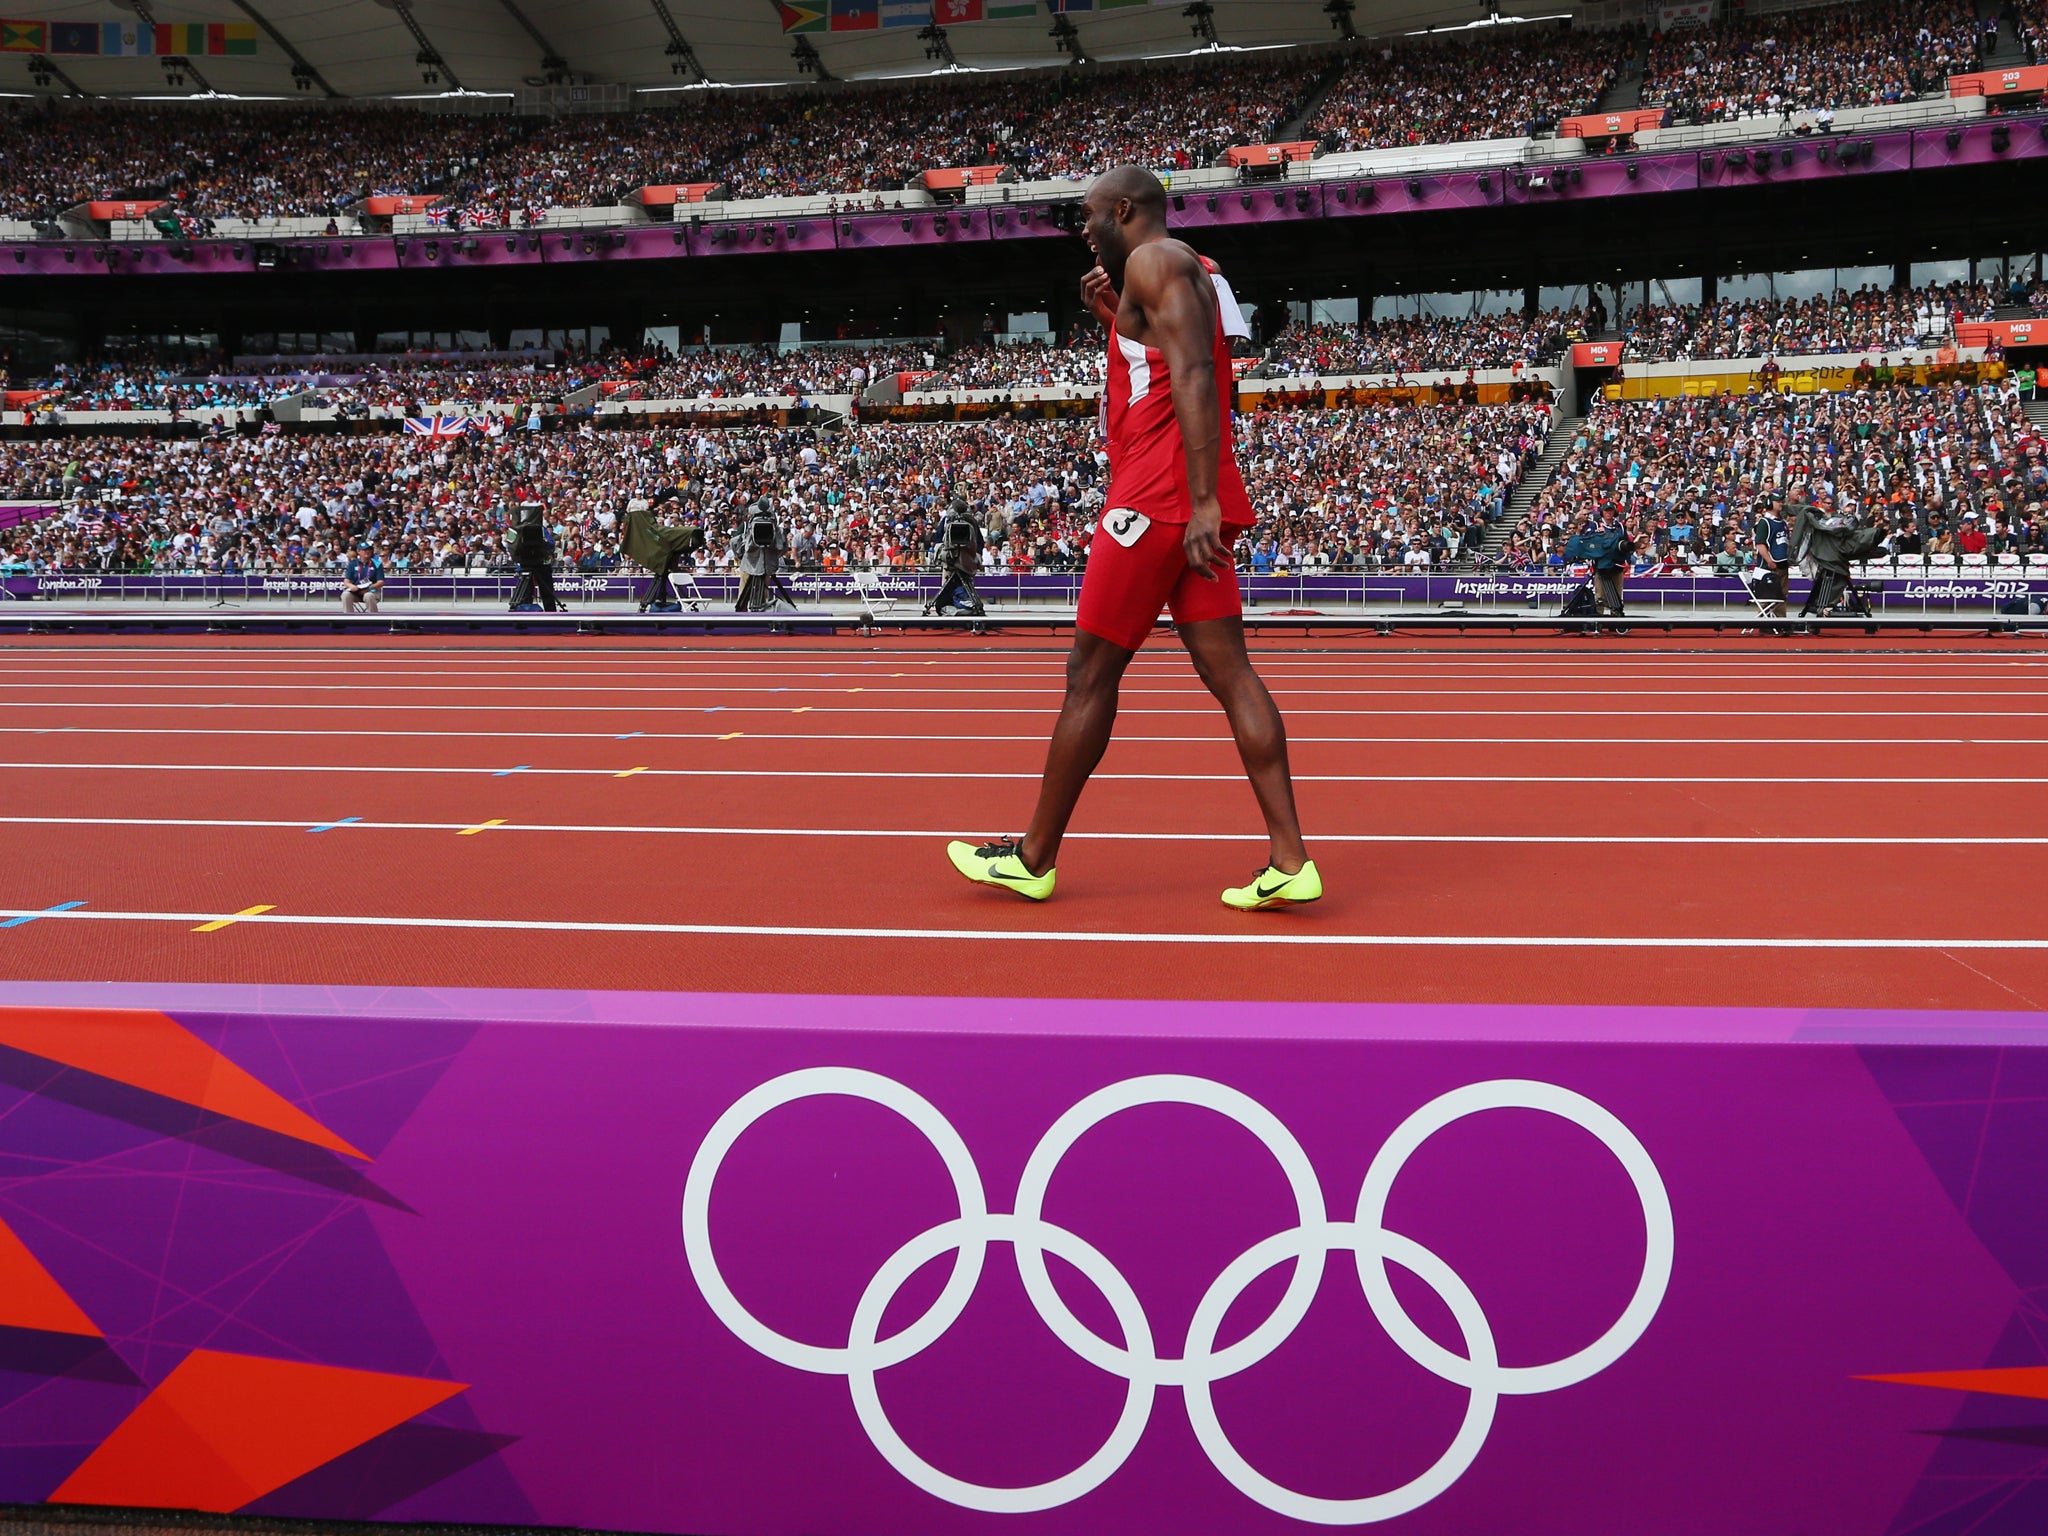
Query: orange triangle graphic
224,1430
30,1298
2009,1381
151,1051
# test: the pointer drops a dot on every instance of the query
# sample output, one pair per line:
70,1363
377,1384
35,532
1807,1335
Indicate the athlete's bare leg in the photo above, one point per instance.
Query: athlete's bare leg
1217,647
1095,671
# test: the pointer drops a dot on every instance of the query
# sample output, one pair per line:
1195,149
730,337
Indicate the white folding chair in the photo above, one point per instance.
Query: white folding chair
684,586
874,594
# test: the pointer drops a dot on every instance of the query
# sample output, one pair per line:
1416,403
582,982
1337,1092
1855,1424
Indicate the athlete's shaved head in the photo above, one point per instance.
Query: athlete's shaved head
1123,207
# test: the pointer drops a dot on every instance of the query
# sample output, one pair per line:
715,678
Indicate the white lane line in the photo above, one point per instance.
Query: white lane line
356,824
871,656
529,689
1250,935
1206,707
1038,738
488,770
969,674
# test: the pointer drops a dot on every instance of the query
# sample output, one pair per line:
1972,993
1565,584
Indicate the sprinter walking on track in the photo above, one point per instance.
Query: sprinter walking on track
1176,506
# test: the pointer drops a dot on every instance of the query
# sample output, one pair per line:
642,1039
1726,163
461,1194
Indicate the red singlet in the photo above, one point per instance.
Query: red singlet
1147,459
1138,561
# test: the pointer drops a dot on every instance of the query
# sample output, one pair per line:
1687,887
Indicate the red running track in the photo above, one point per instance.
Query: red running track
1807,823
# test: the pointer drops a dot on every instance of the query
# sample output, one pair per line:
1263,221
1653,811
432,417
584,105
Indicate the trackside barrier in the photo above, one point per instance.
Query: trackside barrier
1321,1267
1965,590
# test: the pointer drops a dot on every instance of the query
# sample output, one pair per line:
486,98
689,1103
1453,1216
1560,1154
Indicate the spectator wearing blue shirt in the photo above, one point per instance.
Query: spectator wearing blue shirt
362,582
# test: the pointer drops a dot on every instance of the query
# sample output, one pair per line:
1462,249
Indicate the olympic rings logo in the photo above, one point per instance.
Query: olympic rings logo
1200,1364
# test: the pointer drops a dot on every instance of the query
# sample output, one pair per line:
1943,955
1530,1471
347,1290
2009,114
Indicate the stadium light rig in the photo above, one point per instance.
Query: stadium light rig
1340,12
937,47
1203,16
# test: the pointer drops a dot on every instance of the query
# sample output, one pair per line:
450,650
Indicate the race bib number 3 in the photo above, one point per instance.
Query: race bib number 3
1126,526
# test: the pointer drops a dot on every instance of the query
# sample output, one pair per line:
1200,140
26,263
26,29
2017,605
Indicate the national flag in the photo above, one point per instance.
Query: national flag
127,39
234,39
906,13
814,17
1119,5
1068,7
440,428
181,38
74,37
22,37
856,15
1003,10
951,13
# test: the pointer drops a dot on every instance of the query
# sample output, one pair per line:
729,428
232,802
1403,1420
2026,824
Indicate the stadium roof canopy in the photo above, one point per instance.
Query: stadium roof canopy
375,47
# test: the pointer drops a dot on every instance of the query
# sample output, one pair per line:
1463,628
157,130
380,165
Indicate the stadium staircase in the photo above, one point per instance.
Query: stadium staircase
2037,412
1626,94
1529,486
1290,131
2007,52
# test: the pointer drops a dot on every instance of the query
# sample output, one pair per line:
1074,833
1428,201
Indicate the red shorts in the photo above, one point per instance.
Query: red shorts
1125,588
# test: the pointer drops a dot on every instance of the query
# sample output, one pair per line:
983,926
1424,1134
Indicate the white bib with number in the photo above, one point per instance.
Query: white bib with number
1125,525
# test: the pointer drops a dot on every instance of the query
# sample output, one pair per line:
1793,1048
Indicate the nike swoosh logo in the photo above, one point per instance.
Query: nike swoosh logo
1264,892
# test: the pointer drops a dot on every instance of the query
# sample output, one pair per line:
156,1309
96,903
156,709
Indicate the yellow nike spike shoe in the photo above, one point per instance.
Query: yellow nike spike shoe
1271,887
1000,864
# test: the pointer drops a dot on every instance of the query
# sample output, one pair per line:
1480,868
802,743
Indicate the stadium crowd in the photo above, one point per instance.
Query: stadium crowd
1441,92
1415,485
1839,56
1870,319
220,160
1423,344
1951,470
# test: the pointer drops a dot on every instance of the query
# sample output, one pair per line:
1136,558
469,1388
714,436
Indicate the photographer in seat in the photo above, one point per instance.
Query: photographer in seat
959,552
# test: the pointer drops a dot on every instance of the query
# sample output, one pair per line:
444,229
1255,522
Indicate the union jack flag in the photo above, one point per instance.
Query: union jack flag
441,427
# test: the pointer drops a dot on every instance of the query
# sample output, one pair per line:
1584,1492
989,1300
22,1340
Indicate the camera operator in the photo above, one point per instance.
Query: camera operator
533,550
761,549
1824,545
959,553
663,549
1772,536
1606,548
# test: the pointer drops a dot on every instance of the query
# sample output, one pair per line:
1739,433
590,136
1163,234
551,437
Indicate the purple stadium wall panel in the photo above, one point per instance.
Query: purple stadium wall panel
1972,588
775,1265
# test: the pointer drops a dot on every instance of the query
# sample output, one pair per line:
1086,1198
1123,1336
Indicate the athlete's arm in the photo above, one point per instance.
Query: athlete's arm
1175,294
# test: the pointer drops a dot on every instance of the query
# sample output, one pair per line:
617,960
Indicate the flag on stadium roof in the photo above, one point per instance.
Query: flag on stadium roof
124,39
950,13
117,39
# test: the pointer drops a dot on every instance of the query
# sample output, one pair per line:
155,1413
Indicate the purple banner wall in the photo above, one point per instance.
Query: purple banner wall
745,1264
1939,592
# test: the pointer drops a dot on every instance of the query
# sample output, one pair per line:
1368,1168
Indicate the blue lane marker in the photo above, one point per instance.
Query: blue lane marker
629,736
716,709
329,826
62,906
505,772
